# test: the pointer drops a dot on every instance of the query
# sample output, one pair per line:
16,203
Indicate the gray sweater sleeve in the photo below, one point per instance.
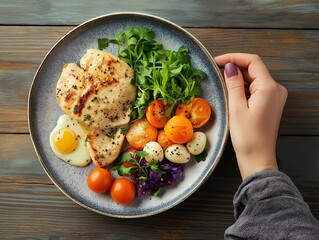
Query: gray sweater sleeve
269,206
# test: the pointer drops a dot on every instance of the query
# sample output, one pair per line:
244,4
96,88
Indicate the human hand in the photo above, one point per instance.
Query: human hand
253,122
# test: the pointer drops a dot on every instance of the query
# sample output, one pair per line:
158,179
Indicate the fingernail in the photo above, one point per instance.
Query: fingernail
231,70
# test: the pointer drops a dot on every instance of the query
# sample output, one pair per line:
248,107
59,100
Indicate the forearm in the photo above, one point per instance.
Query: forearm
269,206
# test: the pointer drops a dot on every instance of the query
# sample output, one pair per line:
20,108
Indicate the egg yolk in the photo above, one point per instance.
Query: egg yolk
65,141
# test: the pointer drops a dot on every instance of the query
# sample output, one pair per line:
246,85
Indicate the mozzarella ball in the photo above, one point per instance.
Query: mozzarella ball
177,153
197,144
154,152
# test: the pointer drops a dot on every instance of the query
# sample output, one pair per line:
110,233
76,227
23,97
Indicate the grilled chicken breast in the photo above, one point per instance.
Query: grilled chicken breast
98,94
104,146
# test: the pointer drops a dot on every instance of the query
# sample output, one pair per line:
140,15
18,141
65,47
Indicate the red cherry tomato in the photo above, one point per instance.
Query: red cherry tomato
99,180
123,191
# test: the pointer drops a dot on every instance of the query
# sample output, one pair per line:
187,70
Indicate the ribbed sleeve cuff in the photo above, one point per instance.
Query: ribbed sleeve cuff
263,185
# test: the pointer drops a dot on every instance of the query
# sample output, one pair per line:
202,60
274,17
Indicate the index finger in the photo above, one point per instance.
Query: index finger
253,63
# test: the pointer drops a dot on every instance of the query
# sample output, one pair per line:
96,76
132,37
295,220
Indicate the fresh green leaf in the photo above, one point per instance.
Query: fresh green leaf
140,154
111,133
201,157
125,157
102,43
183,49
131,41
124,129
176,70
122,170
86,117
157,192
144,178
153,166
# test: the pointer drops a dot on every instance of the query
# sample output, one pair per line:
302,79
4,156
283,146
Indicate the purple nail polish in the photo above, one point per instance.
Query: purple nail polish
231,70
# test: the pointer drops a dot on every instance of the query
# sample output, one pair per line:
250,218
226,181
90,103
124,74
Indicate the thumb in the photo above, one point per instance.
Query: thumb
235,86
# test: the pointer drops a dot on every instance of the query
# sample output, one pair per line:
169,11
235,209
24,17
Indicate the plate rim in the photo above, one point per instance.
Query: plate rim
224,137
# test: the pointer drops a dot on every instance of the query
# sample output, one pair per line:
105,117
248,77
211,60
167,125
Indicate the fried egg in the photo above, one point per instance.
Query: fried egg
67,142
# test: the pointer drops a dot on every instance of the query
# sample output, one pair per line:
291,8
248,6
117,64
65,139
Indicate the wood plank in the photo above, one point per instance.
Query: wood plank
14,91
291,55
32,207
257,14
43,212
19,161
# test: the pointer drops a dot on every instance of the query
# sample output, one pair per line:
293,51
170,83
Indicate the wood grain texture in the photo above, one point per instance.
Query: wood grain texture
204,13
284,33
32,206
42,211
291,56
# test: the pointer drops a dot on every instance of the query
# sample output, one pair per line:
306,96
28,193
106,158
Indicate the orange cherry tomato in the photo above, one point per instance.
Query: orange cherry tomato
99,180
163,140
179,129
155,113
198,111
123,191
140,133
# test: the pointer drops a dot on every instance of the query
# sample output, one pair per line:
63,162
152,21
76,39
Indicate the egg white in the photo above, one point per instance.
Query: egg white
80,156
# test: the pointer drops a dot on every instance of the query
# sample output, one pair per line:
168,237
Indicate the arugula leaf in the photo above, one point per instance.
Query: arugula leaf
124,129
159,73
157,192
201,157
140,154
121,169
153,166
125,157
124,171
144,178
102,43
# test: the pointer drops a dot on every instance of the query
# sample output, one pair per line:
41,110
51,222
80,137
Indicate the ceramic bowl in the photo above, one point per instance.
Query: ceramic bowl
43,112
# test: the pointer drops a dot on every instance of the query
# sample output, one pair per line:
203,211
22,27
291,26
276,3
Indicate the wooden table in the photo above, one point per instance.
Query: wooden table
284,33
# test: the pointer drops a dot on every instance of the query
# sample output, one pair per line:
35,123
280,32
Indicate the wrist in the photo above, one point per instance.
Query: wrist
249,165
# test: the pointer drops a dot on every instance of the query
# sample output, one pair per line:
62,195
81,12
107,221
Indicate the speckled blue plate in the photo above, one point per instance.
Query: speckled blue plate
44,111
